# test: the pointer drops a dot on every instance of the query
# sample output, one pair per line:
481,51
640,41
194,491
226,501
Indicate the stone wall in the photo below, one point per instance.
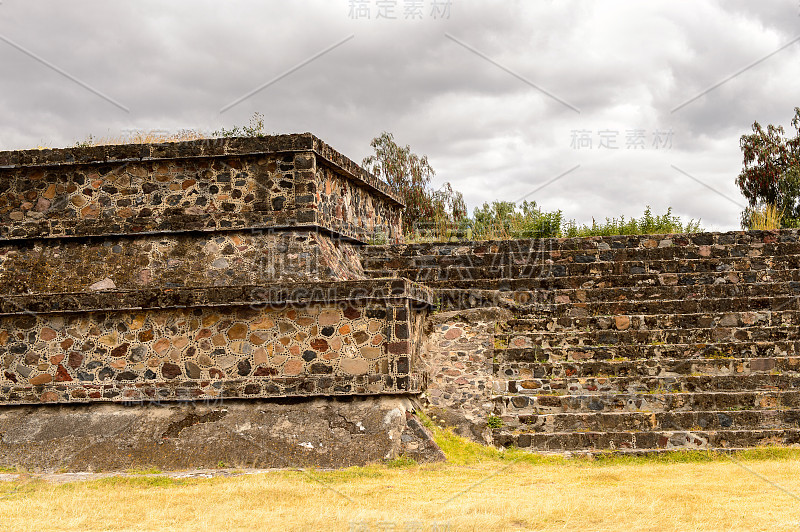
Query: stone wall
163,279
230,258
459,357
356,340
339,432
205,185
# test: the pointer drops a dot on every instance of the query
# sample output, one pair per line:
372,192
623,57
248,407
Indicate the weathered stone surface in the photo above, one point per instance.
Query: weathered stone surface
622,323
233,269
458,357
104,284
300,433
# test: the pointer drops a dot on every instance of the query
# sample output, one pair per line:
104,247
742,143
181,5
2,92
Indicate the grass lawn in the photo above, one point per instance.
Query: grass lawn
479,489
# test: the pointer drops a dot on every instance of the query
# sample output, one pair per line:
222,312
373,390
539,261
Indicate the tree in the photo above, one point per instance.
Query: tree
409,176
771,172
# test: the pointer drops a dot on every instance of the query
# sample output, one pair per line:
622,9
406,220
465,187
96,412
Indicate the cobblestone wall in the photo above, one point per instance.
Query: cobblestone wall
199,270
242,257
208,352
206,185
157,298
634,344
459,357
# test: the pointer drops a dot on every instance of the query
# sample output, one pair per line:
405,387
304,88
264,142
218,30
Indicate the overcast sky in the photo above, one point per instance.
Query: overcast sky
503,96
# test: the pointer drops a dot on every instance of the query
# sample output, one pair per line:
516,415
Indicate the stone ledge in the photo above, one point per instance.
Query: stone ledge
592,243
257,221
277,294
211,391
297,220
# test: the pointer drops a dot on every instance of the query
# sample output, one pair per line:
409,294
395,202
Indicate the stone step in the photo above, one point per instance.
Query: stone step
544,270
660,421
526,303
583,243
600,453
685,440
521,254
673,384
767,318
644,293
648,368
671,306
532,299
578,338
587,282
648,402
719,350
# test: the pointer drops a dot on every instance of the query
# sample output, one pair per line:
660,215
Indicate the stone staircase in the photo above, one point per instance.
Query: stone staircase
632,344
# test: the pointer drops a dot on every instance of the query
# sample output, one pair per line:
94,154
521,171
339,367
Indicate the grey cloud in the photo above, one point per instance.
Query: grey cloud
624,64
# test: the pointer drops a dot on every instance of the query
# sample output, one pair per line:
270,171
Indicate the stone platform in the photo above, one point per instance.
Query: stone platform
161,279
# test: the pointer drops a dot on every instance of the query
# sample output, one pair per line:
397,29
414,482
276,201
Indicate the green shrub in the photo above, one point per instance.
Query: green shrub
648,224
503,220
255,129
494,422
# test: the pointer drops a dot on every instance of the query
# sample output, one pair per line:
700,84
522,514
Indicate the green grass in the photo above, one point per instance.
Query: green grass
155,481
401,462
144,471
462,451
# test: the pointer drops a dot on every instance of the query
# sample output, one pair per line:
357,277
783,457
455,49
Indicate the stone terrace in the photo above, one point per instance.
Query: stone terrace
198,270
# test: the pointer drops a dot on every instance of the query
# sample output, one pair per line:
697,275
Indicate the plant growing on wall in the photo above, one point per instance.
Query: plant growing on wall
255,129
494,422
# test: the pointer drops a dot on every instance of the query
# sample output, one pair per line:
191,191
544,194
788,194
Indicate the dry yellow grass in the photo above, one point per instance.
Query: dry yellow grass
158,136
525,495
145,137
765,218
